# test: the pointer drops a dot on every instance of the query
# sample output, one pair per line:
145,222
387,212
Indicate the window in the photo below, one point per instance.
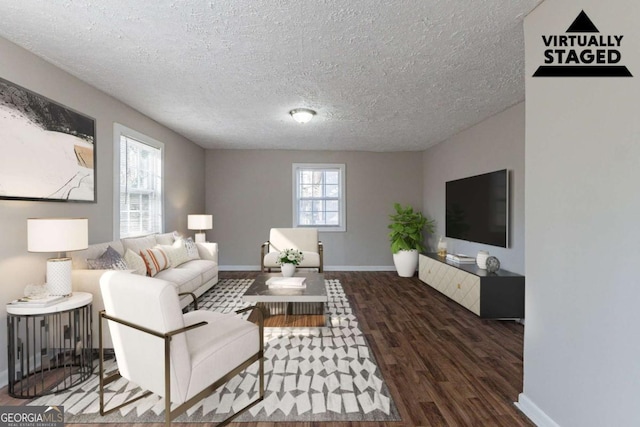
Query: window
139,183
318,196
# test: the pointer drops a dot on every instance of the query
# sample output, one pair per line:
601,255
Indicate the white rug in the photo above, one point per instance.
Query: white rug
311,374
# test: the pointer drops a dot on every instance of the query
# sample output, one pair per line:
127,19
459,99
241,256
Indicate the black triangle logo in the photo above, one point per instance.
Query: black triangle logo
582,24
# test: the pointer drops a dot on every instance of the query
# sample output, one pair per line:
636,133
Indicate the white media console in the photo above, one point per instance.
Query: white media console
498,295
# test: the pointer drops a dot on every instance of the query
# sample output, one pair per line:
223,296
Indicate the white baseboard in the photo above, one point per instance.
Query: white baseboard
326,268
533,412
359,268
239,268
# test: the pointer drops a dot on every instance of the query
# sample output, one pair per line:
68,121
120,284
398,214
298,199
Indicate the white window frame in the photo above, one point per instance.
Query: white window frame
296,167
119,131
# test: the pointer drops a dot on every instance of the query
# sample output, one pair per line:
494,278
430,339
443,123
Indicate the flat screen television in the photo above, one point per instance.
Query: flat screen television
478,208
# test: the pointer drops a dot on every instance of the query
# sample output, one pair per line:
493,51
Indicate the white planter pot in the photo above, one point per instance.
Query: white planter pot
406,262
288,269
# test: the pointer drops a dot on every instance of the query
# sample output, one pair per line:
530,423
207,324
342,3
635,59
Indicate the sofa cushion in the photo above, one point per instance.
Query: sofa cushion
184,280
138,244
135,263
217,347
155,259
109,260
206,268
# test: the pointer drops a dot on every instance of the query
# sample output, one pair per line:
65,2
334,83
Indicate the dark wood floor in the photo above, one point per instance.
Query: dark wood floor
443,365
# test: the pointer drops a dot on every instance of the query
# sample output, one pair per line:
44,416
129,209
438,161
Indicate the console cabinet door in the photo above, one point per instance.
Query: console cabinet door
460,286
434,274
466,290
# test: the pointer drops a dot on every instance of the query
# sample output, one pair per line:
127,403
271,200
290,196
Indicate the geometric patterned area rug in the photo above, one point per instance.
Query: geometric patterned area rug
311,374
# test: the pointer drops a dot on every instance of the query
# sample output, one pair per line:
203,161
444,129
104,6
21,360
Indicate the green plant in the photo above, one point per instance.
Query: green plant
406,229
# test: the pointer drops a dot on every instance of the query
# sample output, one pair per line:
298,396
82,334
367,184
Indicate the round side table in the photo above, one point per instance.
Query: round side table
49,348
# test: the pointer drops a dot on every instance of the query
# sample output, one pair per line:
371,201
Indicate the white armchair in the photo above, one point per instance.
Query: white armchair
181,357
303,239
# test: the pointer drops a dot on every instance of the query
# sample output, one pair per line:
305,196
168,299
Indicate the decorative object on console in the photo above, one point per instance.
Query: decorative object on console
460,259
58,235
200,222
302,115
406,238
481,259
492,264
442,247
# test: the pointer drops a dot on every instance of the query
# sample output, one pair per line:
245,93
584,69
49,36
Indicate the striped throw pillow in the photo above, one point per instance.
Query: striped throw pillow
155,259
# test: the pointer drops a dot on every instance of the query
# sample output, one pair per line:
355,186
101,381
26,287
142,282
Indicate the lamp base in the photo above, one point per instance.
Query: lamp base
59,276
201,237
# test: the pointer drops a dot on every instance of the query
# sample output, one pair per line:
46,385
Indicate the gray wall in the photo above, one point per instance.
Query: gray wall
250,191
495,143
184,172
581,349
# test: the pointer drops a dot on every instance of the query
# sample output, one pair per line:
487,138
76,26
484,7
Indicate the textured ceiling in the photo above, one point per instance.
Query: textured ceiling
383,75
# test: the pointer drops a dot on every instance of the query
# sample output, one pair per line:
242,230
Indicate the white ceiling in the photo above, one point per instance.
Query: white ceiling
383,75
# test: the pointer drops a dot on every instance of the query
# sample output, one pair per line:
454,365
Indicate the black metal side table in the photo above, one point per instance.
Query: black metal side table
49,348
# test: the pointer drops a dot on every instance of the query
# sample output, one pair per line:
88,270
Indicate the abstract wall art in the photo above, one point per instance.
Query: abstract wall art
48,151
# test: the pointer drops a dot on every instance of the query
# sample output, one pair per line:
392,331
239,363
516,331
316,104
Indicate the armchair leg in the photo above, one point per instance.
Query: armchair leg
109,378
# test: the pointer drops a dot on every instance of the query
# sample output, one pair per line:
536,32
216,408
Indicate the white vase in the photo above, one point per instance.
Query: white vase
406,262
481,259
288,269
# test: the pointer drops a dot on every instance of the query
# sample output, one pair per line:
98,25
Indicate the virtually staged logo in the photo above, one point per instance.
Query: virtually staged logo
582,52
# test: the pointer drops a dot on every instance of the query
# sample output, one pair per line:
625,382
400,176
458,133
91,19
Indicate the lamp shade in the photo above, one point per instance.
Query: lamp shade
200,222
57,234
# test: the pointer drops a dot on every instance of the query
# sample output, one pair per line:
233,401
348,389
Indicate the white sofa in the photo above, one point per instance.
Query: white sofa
194,276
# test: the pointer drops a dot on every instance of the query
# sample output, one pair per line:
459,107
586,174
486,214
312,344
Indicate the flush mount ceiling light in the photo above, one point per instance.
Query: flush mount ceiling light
302,115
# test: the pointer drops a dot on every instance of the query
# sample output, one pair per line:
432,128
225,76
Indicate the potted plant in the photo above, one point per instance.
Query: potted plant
288,259
406,238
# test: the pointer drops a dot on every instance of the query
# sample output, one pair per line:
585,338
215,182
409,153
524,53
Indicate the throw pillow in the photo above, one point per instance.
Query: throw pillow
135,262
155,259
177,253
192,248
109,260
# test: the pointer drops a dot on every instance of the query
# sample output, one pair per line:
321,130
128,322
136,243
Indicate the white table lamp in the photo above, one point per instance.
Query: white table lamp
58,235
200,223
